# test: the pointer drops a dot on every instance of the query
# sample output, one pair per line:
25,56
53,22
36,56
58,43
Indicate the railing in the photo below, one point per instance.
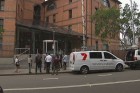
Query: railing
22,53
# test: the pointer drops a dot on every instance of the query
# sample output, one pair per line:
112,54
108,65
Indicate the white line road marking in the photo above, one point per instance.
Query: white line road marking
73,86
105,75
50,78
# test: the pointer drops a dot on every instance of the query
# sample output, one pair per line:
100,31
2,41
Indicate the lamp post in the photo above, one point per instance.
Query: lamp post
53,46
53,42
83,25
132,22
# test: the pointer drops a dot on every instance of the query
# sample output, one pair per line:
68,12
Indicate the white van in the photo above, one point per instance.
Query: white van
85,61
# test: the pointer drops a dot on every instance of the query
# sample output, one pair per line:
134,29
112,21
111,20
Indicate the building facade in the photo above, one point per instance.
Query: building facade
68,14
27,23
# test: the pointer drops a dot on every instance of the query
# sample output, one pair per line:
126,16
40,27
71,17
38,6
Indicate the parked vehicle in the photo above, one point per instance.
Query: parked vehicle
86,61
132,58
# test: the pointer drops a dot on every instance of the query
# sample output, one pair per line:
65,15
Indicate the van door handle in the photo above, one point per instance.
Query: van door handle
105,60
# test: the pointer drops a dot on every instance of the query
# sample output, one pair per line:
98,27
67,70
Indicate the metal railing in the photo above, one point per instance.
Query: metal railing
22,53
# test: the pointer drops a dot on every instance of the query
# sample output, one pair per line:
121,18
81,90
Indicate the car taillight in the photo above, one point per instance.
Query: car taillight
135,58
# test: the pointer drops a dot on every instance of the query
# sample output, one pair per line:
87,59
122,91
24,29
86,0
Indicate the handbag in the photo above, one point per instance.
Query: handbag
17,64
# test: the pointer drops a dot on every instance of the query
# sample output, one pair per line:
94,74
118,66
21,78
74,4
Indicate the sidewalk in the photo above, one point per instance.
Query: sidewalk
8,68
25,72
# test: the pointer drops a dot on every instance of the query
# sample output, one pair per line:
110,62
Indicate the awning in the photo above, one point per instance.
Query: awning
49,27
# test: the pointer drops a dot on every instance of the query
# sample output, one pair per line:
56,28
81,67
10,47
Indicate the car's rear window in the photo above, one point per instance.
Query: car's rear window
139,52
130,55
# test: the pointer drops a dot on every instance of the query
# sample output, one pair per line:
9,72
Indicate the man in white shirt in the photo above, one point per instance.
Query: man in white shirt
48,60
65,61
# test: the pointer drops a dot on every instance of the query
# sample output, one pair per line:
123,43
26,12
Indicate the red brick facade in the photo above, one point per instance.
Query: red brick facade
62,19
22,11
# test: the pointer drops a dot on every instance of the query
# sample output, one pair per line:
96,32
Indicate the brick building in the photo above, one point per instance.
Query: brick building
27,23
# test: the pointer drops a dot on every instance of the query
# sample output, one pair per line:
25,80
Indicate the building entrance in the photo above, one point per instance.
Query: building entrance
50,46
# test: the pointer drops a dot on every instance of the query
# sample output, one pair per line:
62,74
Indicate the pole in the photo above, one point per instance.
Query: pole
132,22
53,42
83,20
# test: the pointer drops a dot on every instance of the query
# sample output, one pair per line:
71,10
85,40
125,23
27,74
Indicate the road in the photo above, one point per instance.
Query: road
96,82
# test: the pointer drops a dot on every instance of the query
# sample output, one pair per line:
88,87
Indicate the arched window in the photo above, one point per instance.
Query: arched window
106,3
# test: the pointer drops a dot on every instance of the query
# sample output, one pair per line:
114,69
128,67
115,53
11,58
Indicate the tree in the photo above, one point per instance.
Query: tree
106,22
113,21
129,22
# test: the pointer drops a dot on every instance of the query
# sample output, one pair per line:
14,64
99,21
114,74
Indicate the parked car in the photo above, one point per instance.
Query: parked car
132,58
86,61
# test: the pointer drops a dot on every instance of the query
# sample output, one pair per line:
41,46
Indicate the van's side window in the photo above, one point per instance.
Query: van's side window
108,56
95,55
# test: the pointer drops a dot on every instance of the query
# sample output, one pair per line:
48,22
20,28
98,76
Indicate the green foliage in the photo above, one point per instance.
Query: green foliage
111,20
106,22
130,21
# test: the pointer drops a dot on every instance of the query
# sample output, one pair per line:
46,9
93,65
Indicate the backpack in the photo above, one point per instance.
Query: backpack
56,60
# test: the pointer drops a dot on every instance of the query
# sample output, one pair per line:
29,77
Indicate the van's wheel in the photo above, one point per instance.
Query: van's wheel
119,67
84,70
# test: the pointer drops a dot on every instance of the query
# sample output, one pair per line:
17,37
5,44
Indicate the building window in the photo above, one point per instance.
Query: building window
106,3
70,14
105,47
1,23
1,28
96,45
70,28
70,1
0,42
96,8
54,18
47,19
37,15
51,5
1,5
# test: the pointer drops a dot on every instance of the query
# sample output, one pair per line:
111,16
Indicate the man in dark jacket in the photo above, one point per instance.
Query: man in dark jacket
55,65
38,61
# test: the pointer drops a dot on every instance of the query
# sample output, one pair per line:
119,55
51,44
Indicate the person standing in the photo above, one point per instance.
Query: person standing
38,61
30,63
1,90
17,63
65,61
55,65
48,60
